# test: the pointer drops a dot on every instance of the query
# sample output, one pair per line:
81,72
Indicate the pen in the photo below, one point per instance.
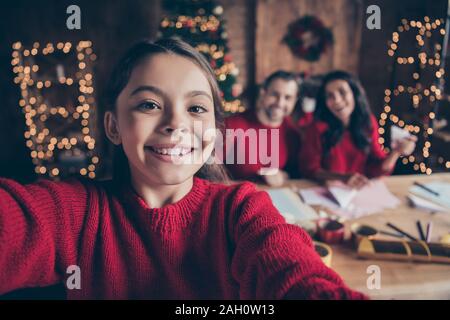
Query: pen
429,228
426,188
390,225
419,228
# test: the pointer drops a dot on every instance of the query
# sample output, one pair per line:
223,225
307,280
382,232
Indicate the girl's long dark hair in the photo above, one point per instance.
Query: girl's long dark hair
120,77
360,125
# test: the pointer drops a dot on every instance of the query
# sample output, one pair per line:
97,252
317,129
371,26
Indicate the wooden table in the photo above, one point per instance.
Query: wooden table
399,280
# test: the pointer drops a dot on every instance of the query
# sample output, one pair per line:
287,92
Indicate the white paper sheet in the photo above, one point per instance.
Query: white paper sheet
398,134
292,208
423,204
372,198
443,188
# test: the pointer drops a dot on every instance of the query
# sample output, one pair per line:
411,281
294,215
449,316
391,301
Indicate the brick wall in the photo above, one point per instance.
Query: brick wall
240,25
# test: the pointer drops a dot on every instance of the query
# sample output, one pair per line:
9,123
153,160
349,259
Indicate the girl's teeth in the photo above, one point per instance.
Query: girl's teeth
172,152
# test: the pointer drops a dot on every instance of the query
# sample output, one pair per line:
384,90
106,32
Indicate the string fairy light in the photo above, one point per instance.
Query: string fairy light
37,112
419,92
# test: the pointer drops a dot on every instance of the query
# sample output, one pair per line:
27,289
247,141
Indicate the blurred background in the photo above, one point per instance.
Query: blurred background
52,78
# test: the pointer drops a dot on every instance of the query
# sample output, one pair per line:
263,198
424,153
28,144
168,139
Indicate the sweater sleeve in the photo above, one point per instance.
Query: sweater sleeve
377,155
276,260
310,155
39,224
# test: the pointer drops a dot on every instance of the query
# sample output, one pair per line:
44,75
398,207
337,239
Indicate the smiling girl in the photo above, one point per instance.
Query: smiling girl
343,143
158,230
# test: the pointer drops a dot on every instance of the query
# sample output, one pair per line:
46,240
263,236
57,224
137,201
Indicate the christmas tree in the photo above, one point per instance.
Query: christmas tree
200,23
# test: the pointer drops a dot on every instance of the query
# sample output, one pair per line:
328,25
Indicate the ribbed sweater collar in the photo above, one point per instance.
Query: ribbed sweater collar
171,216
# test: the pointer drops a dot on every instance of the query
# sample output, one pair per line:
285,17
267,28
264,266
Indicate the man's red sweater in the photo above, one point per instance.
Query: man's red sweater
344,157
218,242
287,143
305,119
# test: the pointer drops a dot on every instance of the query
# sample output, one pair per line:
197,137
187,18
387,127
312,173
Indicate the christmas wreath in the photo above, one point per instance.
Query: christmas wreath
308,38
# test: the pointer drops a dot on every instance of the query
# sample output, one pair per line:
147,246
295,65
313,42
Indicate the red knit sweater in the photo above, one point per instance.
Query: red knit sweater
344,157
305,119
288,143
218,242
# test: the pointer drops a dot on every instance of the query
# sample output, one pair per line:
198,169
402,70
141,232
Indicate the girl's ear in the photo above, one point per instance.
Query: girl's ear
112,128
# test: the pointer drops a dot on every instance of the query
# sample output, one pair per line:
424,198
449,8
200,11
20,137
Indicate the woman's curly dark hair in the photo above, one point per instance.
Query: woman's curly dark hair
360,125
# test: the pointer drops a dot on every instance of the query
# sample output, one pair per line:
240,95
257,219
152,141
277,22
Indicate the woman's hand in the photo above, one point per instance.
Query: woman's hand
353,180
405,146
356,180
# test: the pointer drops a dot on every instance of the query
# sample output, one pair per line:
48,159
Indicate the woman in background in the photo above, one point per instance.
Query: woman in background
342,143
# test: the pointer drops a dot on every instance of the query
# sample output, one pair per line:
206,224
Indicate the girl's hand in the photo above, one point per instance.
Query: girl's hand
356,180
277,179
406,146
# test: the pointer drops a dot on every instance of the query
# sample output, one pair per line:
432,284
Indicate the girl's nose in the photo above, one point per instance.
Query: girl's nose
173,129
175,123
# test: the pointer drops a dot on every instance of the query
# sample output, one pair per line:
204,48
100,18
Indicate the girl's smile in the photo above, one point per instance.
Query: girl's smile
169,152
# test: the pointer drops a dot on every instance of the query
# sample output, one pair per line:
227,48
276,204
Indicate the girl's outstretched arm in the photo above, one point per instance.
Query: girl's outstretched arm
276,260
39,225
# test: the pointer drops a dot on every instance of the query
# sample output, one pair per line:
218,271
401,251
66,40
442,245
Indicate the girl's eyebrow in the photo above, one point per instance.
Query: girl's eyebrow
162,94
148,88
199,93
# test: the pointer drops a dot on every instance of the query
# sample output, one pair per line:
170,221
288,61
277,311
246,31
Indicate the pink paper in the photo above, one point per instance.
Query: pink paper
373,198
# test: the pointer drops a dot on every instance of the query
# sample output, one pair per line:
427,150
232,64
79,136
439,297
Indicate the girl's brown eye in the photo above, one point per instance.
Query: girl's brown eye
147,106
197,109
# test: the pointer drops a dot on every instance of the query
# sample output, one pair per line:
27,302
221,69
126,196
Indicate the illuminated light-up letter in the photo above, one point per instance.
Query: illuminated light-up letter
58,104
426,90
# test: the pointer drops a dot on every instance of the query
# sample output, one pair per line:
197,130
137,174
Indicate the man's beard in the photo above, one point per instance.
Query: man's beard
271,114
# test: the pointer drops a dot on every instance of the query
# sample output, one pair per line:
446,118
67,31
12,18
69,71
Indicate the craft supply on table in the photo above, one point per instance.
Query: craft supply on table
359,231
394,227
429,231
330,231
445,238
418,251
420,230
